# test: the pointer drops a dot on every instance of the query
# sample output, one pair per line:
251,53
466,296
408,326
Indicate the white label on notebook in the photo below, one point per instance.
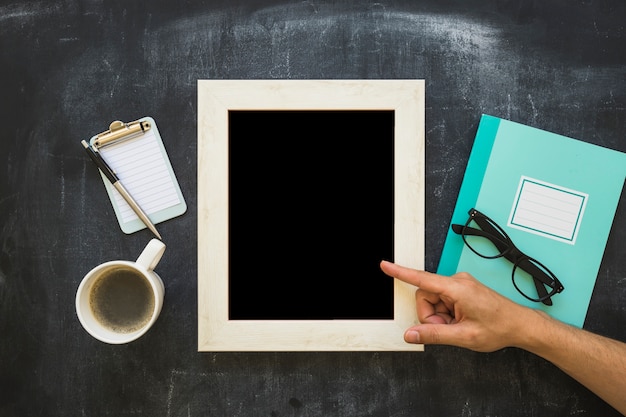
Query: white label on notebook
548,210
143,171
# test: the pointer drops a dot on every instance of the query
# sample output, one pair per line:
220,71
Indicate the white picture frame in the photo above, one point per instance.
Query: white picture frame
216,332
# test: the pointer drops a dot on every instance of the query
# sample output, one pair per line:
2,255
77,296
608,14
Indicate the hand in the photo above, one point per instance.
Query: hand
461,311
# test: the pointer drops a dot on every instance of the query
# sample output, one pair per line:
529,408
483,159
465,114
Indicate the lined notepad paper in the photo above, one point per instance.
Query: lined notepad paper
143,167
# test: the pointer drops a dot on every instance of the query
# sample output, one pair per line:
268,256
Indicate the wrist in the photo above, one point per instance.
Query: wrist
530,325
536,332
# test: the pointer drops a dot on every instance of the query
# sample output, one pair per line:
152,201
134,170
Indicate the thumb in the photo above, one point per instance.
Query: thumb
434,334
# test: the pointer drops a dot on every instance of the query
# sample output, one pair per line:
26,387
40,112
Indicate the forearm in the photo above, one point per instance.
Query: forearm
597,362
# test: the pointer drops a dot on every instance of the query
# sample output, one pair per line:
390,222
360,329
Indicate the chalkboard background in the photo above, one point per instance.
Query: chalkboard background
69,68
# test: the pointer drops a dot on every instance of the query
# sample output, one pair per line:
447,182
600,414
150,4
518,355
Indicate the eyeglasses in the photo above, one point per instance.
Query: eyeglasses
490,241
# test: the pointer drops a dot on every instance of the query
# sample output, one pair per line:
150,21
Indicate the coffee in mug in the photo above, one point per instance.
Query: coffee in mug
121,299
118,301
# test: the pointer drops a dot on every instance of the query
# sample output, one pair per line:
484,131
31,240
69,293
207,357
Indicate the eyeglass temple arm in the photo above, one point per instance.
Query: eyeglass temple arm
458,229
541,292
539,279
500,244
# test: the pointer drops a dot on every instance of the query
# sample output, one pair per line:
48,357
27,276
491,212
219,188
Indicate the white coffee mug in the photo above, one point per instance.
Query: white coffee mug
119,301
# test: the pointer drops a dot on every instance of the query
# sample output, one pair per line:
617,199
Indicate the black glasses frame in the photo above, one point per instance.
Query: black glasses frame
542,276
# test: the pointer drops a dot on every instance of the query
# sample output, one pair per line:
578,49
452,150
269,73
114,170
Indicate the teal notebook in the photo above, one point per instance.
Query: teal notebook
556,198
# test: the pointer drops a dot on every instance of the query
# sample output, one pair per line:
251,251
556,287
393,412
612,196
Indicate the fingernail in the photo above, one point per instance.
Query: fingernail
412,336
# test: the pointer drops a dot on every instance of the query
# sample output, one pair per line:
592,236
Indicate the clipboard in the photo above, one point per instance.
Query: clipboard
135,152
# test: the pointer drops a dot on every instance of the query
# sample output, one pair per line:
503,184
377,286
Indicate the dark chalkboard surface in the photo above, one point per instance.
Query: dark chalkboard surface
68,69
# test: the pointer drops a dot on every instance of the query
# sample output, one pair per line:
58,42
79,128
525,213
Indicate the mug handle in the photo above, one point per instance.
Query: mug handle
151,255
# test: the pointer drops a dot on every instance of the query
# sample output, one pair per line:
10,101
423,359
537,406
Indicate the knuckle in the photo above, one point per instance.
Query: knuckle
465,276
435,336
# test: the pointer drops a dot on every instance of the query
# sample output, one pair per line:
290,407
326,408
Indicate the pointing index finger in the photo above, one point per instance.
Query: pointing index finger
425,280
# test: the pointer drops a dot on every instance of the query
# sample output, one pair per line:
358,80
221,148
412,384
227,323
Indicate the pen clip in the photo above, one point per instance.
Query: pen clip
120,130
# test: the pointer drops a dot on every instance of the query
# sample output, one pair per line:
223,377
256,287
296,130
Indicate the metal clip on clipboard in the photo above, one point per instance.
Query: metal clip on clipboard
119,130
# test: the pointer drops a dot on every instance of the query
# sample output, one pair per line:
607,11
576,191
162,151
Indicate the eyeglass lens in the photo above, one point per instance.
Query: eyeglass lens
526,285
487,245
